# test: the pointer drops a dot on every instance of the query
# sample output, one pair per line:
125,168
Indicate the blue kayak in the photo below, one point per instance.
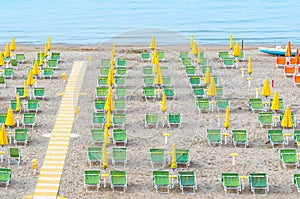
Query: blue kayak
276,51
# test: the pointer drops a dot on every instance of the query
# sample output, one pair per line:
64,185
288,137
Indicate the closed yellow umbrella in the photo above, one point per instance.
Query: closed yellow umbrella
12,44
104,157
3,136
25,95
173,162
249,65
48,43
1,59
275,102
207,76
30,80
159,79
45,51
156,65
236,50
266,91
152,43
7,51
191,41
164,102
10,120
106,140
212,91
109,105
194,50
35,70
227,120
230,42
110,79
18,102
113,52
108,118
41,59
287,120
288,52
154,57
198,56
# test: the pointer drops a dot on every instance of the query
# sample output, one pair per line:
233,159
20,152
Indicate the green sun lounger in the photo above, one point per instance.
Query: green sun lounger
20,57
182,157
198,91
275,136
223,55
98,119
39,93
119,120
256,104
259,181
14,155
184,54
119,156
151,119
149,80
32,105
203,104
101,92
231,181
121,62
97,135
147,71
5,176
222,103
28,119
8,73
214,136
105,63
297,181
187,181
289,157
120,136
228,63
99,105
92,179
21,136
120,92
48,73
145,56
174,119
170,92
118,180
94,155
240,137
265,119
102,81
297,136
161,181
157,156
119,104
149,92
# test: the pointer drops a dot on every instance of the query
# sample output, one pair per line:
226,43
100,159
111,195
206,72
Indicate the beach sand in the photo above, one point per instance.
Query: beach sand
208,162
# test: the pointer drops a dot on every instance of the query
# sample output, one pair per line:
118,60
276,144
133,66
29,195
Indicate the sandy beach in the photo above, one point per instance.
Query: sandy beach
208,162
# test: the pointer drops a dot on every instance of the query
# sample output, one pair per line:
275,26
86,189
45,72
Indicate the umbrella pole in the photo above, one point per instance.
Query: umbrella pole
104,179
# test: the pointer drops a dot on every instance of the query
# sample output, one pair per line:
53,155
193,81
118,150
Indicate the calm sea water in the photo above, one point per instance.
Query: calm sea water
134,21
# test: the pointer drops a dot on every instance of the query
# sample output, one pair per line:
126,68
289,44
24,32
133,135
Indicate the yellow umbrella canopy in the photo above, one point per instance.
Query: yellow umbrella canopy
10,120
18,102
152,43
154,57
194,50
1,59
156,66
104,157
266,91
164,102
207,76
30,80
191,41
173,162
287,120
159,79
230,42
12,44
227,120
25,95
198,56
35,70
7,51
45,50
212,91
111,80
3,136
108,118
48,43
249,65
106,140
109,105
236,50
275,102
41,59
288,52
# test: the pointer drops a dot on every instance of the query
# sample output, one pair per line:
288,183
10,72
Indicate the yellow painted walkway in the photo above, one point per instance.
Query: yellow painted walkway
51,171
